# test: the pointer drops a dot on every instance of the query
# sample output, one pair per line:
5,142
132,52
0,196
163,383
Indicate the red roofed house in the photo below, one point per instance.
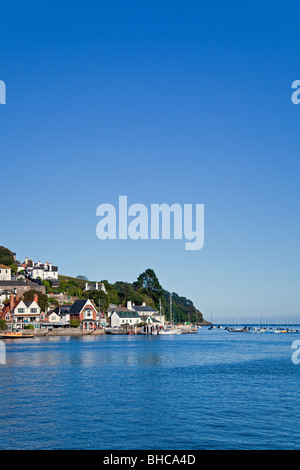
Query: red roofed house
19,313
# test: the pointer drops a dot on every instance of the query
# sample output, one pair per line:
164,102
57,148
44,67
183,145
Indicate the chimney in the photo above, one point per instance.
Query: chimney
129,305
11,302
35,298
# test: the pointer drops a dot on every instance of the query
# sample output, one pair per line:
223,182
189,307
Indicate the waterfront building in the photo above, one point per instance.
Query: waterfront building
123,316
60,316
19,313
86,313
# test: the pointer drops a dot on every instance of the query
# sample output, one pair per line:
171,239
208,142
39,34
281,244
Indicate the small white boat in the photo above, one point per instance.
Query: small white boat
113,330
170,331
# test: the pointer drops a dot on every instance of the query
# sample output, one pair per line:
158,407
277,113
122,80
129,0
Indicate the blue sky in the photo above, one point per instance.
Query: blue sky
186,102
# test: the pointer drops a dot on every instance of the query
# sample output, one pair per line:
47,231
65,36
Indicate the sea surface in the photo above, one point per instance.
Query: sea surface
211,390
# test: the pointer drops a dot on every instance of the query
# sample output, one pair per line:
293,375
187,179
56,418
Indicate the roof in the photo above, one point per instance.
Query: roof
13,283
144,308
78,306
62,309
2,266
5,292
126,314
28,302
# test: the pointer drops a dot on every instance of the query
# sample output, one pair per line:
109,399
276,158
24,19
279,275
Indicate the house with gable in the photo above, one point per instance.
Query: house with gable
60,316
133,315
19,313
86,313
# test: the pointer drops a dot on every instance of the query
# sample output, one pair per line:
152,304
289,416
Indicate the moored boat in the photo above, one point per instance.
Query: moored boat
170,331
114,330
15,335
238,330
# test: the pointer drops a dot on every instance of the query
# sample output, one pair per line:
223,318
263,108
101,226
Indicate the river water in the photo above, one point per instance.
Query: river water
211,390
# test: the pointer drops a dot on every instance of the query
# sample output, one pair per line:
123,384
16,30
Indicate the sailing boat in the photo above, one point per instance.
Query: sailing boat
170,329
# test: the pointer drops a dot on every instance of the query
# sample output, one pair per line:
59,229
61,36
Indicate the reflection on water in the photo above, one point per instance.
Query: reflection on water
52,351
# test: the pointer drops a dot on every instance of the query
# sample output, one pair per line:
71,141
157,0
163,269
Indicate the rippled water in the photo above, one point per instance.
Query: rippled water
212,390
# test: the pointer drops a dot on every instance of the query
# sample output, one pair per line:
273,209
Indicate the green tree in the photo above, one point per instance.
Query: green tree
99,297
148,283
6,256
48,285
2,324
74,323
14,268
42,298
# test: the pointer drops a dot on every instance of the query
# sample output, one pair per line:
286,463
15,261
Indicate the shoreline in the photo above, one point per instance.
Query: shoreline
68,332
78,332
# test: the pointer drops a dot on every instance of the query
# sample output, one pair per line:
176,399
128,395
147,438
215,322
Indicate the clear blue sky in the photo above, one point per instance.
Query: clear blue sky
162,101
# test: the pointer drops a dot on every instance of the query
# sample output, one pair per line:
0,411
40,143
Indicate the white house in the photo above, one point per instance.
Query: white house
50,272
4,294
27,313
60,316
123,316
44,271
5,273
148,314
37,272
95,286
133,315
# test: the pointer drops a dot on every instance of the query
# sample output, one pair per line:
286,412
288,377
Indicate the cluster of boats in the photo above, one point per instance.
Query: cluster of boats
148,330
247,329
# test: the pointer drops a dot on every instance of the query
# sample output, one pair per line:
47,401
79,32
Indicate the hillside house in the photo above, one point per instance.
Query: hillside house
5,273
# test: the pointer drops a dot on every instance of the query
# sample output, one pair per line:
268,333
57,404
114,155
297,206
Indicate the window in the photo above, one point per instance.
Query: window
7,316
21,310
33,310
88,312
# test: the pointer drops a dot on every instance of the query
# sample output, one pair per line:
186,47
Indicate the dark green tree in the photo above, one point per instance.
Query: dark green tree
42,298
6,256
148,283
